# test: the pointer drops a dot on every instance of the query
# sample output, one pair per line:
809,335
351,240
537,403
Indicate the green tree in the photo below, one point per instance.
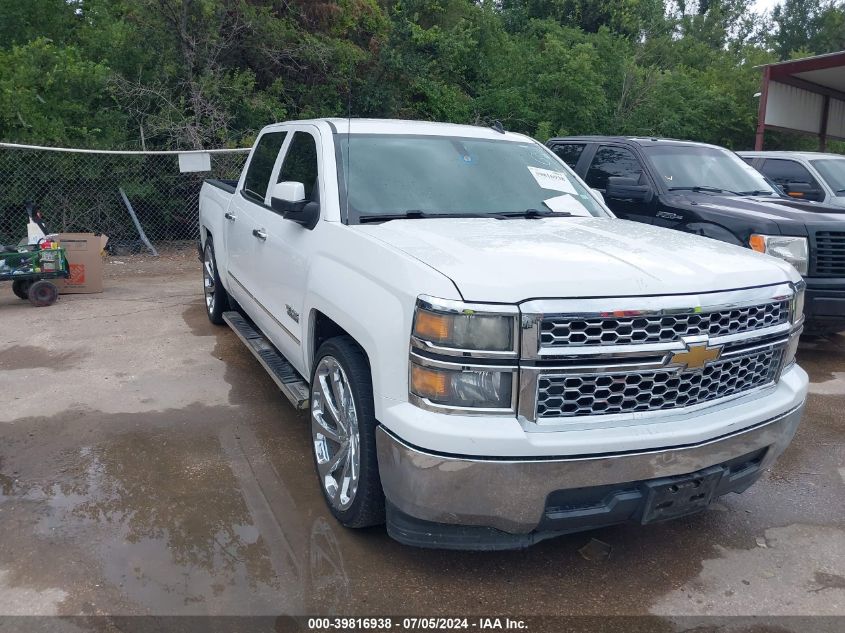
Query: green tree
51,94
807,27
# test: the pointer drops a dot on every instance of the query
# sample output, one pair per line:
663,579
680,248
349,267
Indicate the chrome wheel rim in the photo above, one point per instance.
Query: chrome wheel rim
334,432
208,280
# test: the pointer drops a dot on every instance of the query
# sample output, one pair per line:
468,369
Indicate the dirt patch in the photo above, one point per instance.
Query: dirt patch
822,356
31,357
789,572
174,260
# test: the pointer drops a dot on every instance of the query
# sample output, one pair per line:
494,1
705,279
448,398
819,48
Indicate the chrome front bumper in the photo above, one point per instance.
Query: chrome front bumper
511,495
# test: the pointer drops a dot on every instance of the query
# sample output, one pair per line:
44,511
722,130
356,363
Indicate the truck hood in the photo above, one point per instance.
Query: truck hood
508,261
785,212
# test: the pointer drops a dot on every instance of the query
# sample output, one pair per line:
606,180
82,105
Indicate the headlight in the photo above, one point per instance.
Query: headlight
790,249
472,388
464,328
464,357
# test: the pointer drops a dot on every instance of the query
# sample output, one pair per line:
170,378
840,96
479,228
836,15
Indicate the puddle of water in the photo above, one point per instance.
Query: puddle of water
168,521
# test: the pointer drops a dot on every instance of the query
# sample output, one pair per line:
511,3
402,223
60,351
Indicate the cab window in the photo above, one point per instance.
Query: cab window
784,171
261,166
610,161
300,164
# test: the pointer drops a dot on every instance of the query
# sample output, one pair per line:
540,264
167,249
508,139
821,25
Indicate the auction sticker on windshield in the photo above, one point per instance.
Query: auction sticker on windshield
554,180
567,204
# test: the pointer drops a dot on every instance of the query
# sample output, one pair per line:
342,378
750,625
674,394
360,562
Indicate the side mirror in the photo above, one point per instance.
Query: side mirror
803,191
597,194
288,192
288,199
623,188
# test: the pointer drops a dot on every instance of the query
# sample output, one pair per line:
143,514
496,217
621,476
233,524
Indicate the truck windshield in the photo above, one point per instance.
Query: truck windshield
833,172
711,169
424,176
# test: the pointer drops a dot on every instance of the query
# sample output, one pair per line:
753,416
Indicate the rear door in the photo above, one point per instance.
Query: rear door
615,160
570,153
243,215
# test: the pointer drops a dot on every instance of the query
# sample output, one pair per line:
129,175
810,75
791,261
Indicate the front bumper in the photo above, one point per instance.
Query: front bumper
825,301
521,496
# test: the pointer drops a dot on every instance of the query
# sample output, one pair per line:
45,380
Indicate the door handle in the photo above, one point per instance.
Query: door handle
261,234
230,216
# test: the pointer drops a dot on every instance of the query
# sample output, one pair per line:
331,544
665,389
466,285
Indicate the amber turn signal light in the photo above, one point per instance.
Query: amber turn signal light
431,326
428,383
757,243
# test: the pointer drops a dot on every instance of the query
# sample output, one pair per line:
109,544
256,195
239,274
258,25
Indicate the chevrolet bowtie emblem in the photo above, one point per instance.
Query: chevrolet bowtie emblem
696,356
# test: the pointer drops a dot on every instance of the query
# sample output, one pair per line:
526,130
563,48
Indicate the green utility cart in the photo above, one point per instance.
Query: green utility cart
31,270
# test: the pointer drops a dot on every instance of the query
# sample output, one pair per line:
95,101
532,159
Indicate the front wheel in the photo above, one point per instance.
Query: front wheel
216,297
343,434
43,293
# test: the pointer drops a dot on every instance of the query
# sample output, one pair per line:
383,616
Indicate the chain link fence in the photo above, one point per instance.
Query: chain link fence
80,191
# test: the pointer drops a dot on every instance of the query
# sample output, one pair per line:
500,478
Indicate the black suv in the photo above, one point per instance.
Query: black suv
710,191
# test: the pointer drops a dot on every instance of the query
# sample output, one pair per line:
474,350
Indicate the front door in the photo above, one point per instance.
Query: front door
284,255
615,160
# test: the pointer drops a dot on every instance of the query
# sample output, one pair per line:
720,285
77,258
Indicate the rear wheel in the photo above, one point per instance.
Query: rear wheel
43,293
216,297
343,433
21,288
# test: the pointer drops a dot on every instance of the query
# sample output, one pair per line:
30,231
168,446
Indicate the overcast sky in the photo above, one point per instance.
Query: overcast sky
765,5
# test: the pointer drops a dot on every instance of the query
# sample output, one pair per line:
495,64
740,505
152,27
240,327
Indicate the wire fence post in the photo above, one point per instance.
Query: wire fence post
141,233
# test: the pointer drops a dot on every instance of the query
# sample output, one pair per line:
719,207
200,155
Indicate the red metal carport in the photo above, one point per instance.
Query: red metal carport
804,95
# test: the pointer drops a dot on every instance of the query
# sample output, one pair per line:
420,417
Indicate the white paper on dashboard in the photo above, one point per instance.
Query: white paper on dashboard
567,204
554,180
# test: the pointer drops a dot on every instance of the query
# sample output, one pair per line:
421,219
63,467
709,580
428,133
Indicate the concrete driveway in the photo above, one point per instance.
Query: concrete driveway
148,466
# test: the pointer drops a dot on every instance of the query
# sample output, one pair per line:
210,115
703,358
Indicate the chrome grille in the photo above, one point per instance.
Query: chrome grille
561,396
560,331
829,256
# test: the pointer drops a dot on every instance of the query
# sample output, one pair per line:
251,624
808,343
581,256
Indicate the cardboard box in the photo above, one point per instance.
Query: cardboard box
85,259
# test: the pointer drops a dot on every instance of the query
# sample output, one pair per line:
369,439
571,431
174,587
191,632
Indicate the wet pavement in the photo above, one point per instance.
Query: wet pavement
149,466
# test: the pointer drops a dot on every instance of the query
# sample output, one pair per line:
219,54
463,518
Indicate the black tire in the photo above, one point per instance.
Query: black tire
43,293
367,504
216,297
21,288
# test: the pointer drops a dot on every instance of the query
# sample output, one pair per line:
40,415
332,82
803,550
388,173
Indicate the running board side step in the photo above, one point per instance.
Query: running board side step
291,384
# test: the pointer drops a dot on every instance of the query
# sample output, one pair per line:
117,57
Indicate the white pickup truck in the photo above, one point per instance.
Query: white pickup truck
488,356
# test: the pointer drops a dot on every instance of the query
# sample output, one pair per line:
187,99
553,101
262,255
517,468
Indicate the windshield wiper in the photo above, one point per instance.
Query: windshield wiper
413,214
757,192
531,213
705,188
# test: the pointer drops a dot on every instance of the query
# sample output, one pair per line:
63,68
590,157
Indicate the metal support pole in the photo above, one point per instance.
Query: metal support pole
761,110
823,124
143,235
